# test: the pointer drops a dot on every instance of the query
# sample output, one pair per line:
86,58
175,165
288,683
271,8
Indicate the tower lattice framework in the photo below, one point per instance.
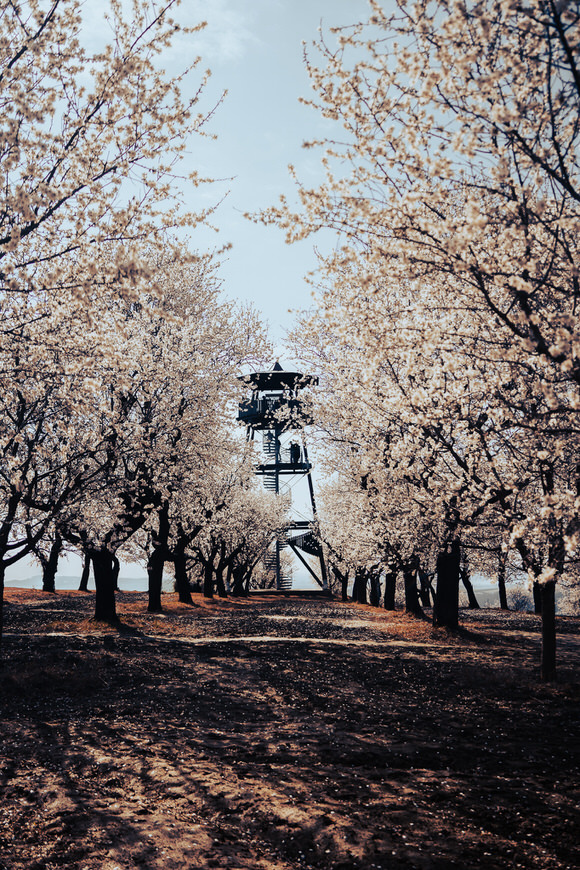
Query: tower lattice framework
274,409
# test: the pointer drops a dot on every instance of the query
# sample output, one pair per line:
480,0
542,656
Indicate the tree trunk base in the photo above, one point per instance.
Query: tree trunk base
548,663
446,606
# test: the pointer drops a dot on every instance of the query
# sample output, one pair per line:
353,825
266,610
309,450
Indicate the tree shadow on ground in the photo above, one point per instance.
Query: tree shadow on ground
132,751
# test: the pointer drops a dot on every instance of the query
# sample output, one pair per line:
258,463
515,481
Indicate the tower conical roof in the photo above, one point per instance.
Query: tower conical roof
277,379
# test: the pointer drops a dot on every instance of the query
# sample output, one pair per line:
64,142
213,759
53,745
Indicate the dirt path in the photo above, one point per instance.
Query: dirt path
283,734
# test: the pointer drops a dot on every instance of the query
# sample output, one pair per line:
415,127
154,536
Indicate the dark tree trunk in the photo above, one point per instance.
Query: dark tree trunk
533,565
84,584
42,559
472,601
181,578
105,608
390,589
537,593
548,665
238,584
47,583
219,572
342,578
412,604
2,573
156,560
424,593
359,589
243,575
501,574
219,582
556,560
51,565
208,577
446,606
155,564
239,575
375,591
116,569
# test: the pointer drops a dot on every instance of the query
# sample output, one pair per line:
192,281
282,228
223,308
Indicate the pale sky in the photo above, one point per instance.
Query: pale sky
254,49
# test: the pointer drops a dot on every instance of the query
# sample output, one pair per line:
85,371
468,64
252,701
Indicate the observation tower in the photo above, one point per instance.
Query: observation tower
275,410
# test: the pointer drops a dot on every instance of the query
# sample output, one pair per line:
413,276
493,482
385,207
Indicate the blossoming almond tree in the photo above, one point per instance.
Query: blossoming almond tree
89,143
194,381
48,451
171,401
243,521
430,423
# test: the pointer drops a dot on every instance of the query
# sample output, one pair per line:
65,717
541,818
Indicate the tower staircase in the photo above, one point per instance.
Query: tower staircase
282,576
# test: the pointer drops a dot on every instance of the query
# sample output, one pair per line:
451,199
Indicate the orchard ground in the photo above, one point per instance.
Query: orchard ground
283,733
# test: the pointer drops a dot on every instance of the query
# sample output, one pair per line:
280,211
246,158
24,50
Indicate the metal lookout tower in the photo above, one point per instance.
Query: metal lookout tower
275,410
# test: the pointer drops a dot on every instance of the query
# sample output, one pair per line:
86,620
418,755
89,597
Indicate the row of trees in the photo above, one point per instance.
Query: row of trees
136,455
446,330
447,321
211,534
118,357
